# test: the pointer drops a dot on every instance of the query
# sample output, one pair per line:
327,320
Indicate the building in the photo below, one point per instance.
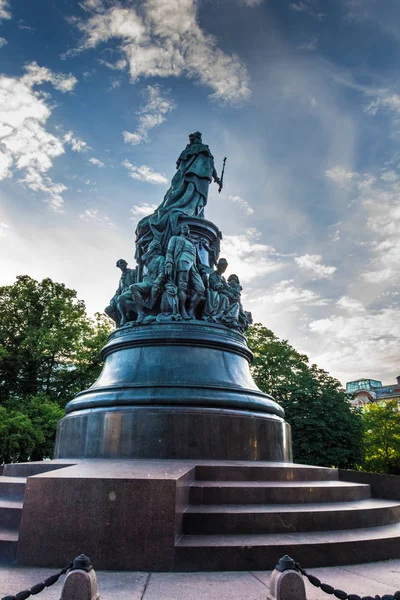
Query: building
365,391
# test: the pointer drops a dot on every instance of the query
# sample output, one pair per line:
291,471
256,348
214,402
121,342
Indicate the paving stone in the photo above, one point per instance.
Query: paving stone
205,586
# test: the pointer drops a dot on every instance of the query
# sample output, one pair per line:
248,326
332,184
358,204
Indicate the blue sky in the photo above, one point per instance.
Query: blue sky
303,97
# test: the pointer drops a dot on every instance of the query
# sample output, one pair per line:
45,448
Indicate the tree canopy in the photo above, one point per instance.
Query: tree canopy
382,437
325,430
49,351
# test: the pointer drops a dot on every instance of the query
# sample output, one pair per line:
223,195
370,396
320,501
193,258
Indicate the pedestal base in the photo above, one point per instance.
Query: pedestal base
173,432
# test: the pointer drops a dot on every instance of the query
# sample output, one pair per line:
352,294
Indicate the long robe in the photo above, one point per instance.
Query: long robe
186,196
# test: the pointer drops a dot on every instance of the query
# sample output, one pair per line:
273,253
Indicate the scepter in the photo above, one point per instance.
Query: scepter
221,181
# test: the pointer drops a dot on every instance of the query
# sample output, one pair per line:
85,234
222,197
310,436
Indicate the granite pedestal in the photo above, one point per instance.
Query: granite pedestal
168,390
175,390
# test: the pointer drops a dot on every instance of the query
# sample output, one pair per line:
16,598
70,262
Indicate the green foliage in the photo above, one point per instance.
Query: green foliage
17,436
382,437
49,351
49,345
325,430
27,429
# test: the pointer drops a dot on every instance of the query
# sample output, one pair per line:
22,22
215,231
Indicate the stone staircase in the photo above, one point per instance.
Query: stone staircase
243,517
11,502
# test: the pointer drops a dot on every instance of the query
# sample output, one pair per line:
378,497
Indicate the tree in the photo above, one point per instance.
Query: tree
325,430
382,437
49,351
48,344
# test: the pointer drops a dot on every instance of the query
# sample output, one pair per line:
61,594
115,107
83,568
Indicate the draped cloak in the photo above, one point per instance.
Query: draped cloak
187,196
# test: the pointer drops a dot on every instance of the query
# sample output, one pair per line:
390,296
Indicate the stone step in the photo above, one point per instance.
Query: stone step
246,552
10,513
263,472
12,487
282,492
34,468
8,546
286,518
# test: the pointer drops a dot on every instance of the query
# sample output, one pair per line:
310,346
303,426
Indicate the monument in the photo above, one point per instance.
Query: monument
176,381
174,459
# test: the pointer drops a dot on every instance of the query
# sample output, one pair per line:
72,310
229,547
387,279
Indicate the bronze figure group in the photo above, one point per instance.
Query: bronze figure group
180,276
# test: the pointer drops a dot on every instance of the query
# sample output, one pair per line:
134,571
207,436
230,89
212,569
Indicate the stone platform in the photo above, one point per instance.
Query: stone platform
195,515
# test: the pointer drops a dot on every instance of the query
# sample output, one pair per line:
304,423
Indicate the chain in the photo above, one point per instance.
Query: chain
39,587
328,589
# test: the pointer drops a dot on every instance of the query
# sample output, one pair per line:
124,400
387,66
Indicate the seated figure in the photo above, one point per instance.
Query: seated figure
244,318
169,307
128,277
145,293
222,302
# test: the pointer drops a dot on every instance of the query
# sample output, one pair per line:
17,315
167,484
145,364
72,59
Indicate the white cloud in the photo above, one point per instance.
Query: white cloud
310,45
312,264
360,344
284,300
151,114
4,228
350,304
142,210
117,66
21,24
385,99
307,7
341,175
381,202
378,196
35,75
92,214
37,182
144,173
96,162
164,39
389,176
5,165
243,204
286,292
4,9
25,144
336,236
3,42
251,3
77,145
115,83
249,258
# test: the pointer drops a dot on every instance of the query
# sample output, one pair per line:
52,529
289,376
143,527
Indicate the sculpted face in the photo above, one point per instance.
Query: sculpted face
185,229
122,264
195,138
222,265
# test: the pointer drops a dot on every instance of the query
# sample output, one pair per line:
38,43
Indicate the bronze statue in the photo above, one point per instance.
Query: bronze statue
217,300
170,282
183,264
244,318
128,276
187,195
145,293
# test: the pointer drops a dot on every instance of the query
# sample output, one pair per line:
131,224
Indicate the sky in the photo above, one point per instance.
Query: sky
97,99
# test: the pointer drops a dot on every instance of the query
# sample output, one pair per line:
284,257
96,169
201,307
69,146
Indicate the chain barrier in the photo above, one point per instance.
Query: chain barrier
286,563
39,587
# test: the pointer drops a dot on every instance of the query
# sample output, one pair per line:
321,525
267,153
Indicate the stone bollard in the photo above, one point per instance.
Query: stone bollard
286,582
81,582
